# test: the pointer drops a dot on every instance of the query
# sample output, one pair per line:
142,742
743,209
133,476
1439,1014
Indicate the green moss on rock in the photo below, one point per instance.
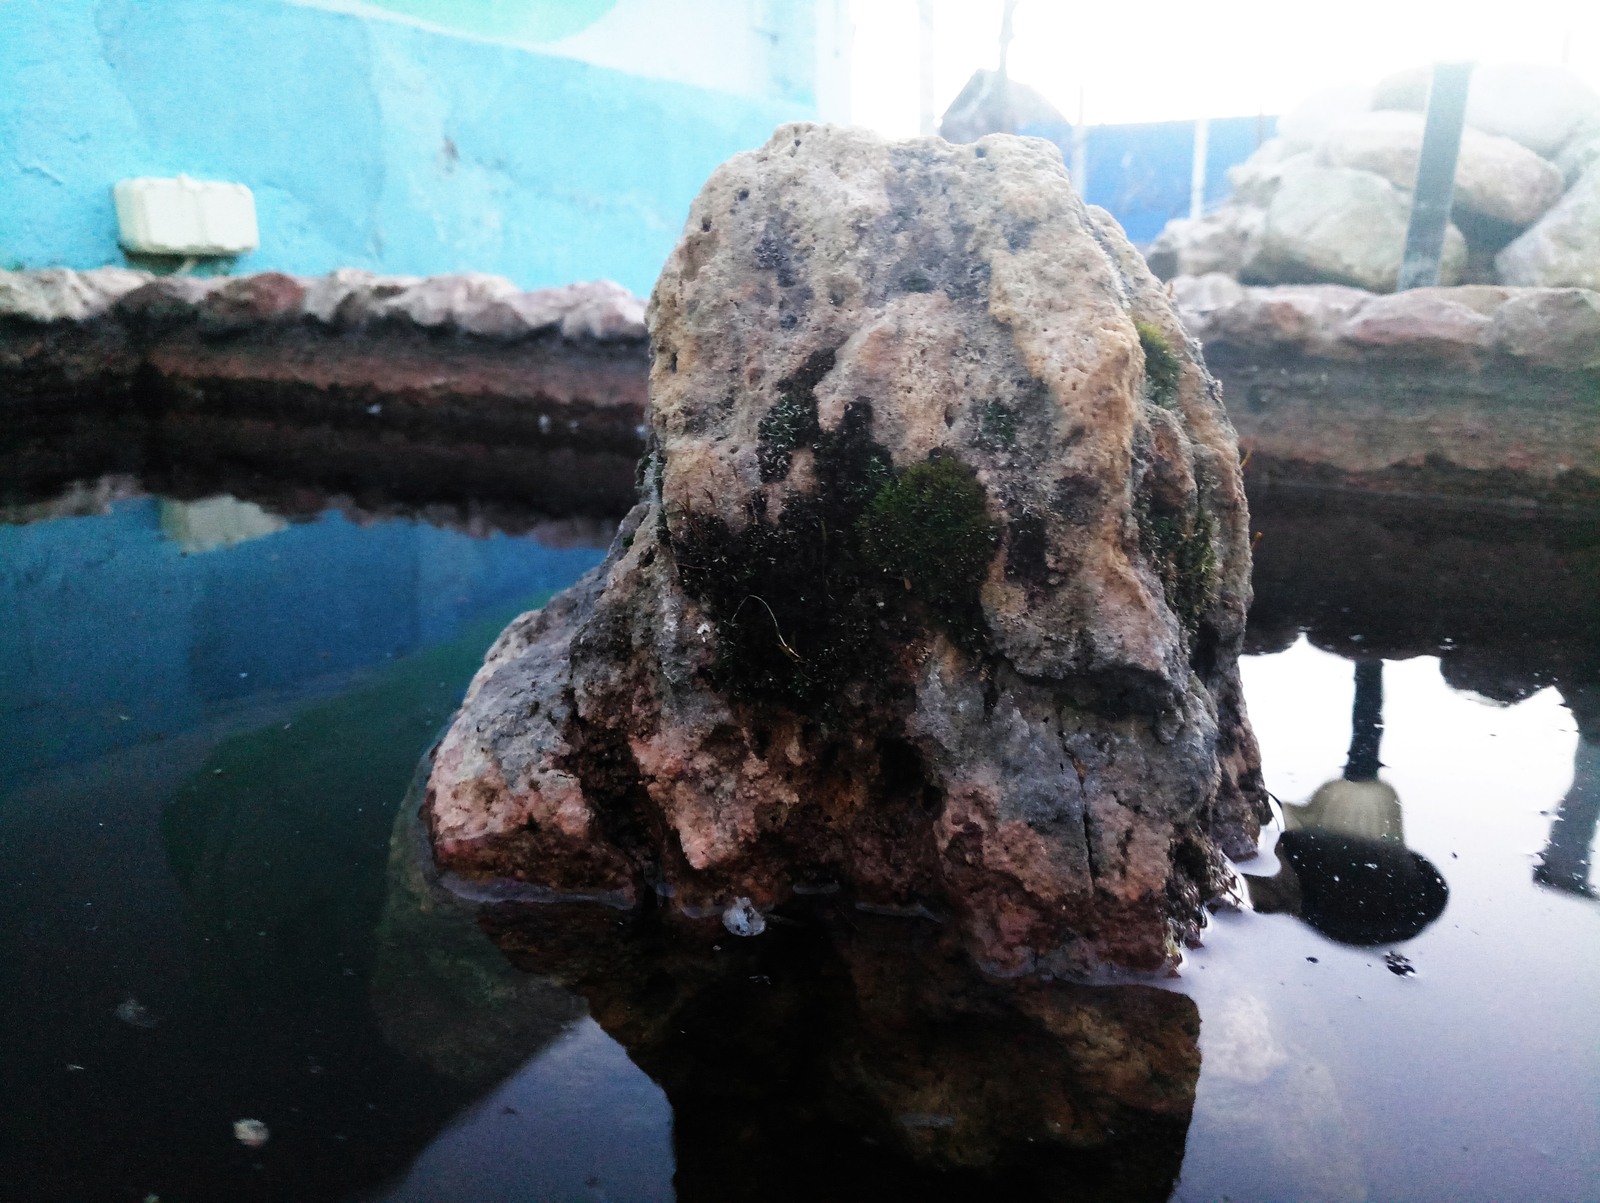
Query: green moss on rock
1182,553
930,527
1162,369
792,420
805,605
998,428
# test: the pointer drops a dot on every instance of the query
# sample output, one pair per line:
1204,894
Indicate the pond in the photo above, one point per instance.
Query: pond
213,713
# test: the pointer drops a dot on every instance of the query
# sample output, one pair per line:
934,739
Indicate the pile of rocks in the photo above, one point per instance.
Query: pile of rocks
1328,200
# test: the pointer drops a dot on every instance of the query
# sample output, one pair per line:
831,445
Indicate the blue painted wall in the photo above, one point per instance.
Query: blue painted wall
367,142
1141,173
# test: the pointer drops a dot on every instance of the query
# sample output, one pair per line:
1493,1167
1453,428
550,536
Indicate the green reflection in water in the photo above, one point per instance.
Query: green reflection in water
280,841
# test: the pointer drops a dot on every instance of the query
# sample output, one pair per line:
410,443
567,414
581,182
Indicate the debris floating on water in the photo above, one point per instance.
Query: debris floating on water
1398,965
136,1013
251,1133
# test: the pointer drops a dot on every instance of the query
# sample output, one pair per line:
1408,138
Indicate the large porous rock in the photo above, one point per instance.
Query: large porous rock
1340,226
933,596
1495,177
1562,249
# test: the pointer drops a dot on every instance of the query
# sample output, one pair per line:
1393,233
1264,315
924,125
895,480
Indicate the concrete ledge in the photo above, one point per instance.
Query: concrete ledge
450,386
1476,391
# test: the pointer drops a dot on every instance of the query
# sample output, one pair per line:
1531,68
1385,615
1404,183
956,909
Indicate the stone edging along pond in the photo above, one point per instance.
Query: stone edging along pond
1479,390
416,389
421,389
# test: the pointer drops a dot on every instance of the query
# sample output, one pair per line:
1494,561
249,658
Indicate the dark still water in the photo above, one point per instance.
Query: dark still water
211,914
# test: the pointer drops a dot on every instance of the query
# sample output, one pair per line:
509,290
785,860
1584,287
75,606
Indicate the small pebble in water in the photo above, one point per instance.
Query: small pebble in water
1398,965
742,918
136,1013
251,1133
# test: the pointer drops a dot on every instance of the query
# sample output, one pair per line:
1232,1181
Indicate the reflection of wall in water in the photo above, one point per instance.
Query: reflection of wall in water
107,617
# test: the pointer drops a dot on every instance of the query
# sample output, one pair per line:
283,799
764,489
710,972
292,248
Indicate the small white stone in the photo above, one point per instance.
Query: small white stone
742,919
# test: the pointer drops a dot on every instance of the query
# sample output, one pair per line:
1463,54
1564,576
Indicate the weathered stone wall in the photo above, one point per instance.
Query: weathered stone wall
1479,390
416,389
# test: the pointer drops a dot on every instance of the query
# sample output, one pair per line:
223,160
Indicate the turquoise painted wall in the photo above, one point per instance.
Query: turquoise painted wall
367,142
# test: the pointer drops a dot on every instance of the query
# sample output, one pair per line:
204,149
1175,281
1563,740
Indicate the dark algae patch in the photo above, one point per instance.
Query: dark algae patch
1182,554
1162,369
811,602
792,420
998,427
930,527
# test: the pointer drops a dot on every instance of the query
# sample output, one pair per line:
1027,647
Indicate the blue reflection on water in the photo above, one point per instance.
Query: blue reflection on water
116,634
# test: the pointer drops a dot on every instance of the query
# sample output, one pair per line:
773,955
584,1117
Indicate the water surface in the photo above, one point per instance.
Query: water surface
212,713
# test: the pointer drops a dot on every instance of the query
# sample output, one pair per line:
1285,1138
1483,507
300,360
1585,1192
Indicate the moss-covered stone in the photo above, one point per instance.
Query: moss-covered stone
811,602
930,528
1162,369
1181,551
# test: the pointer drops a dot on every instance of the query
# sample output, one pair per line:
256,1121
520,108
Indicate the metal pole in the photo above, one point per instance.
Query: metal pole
1080,153
1197,175
1366,723
1436,176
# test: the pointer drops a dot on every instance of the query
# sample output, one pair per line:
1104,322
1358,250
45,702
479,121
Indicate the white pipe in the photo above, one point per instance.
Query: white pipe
1080,153
1197,178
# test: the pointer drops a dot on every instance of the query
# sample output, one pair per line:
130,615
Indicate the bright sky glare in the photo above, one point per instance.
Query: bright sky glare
1158,60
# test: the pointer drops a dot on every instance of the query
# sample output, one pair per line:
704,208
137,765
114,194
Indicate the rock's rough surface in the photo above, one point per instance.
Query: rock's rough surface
1496,177
1340,226
1257,180
1562,249
933,596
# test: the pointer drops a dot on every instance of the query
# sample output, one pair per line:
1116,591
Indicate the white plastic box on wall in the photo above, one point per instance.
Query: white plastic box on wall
185,217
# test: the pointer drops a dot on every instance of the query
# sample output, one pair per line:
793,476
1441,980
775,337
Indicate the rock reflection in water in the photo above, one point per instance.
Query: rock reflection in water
441,992
1344,867
844,1054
